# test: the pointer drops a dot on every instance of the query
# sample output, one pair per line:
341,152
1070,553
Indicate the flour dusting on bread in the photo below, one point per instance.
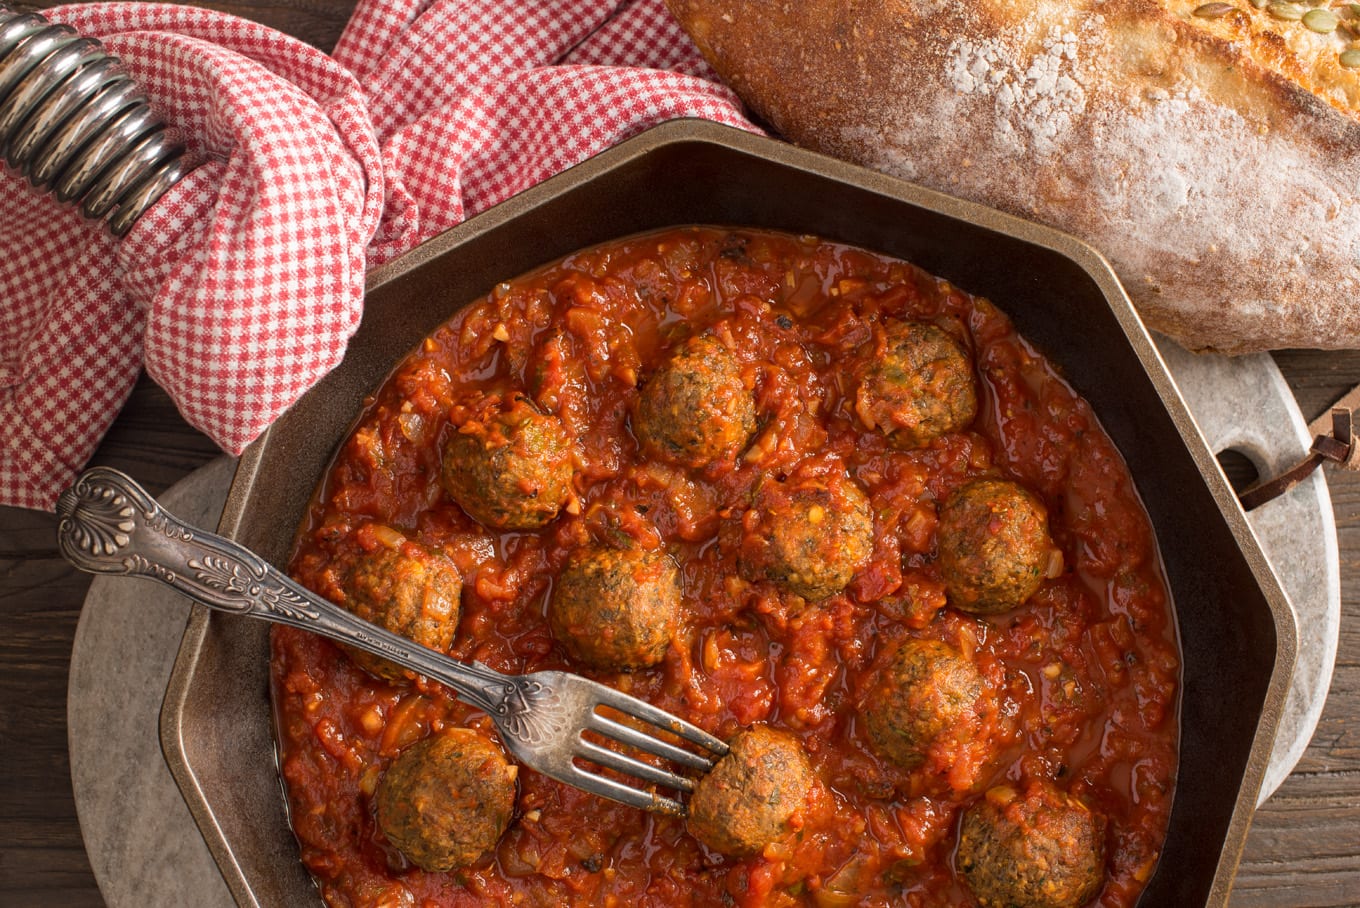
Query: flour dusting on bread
1187,150
1035,100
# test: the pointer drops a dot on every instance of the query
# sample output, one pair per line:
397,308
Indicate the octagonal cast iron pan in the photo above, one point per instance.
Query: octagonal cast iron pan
1236,630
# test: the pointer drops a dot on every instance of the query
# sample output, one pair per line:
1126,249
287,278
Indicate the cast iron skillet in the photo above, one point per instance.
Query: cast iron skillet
1237,632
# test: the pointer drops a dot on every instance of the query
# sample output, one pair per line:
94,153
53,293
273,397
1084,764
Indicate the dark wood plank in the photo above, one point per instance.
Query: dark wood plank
42,858
316,22
39,603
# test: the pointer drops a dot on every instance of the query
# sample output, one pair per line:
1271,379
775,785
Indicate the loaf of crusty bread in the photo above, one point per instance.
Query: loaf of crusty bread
1209,150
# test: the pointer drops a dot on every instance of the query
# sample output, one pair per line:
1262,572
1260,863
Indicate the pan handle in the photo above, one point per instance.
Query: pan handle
76,125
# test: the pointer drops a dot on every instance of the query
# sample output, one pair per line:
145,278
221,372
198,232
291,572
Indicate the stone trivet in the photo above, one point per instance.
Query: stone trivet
146,851
143,845
1243,404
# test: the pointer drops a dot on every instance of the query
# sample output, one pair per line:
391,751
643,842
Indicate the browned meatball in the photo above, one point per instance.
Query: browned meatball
750,798
994,546
925,691
445,801
809,535
916,384
696,409
407,589
616,609
508,464
1042,849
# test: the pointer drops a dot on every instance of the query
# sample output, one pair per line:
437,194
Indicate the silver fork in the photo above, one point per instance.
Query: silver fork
111,525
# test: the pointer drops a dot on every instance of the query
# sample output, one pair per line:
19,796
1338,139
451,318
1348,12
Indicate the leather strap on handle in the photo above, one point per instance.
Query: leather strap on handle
1350,400
1338,447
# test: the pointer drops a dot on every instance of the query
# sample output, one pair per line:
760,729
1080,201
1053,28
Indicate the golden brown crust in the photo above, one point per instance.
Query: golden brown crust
1212,159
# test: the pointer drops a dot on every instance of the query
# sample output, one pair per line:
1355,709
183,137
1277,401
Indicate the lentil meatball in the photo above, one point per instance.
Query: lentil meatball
925,691
508,465
1044,849
994,546
616,609
916,385
750,798
695,409
407,589
809,535
445,801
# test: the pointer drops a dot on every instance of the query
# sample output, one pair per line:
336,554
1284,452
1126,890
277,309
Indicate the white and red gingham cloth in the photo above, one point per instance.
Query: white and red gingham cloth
239,289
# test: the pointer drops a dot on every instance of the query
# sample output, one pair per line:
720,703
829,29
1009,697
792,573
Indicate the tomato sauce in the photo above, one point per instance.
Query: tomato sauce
1086,672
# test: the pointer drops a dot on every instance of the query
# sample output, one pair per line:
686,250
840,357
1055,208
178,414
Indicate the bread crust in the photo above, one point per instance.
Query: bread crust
1212,160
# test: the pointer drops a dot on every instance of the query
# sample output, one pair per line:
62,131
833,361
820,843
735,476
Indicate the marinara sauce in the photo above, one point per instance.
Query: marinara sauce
1085,673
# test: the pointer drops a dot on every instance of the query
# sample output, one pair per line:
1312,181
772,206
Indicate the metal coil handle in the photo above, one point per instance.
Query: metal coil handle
75,124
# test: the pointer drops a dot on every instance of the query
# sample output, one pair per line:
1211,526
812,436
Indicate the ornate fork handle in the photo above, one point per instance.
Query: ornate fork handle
111,525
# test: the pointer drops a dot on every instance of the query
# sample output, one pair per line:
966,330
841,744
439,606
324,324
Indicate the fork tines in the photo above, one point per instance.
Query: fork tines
647,743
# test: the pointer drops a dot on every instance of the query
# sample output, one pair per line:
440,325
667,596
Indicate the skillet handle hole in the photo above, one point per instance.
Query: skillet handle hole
1239,469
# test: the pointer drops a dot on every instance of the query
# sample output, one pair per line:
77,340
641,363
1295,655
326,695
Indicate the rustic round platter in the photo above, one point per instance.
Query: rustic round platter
140,837
1243,404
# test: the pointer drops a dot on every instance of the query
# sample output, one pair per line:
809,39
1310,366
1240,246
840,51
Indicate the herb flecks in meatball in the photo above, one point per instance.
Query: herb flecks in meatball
616,609
508,464
753,796
928,689
915,384
695,409
406,588
445,801
994,545
808,534
1039,849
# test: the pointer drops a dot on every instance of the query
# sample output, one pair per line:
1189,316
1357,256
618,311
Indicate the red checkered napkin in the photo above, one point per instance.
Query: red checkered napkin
241,287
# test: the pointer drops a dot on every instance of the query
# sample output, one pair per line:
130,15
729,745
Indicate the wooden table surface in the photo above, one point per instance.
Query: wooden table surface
1304,847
